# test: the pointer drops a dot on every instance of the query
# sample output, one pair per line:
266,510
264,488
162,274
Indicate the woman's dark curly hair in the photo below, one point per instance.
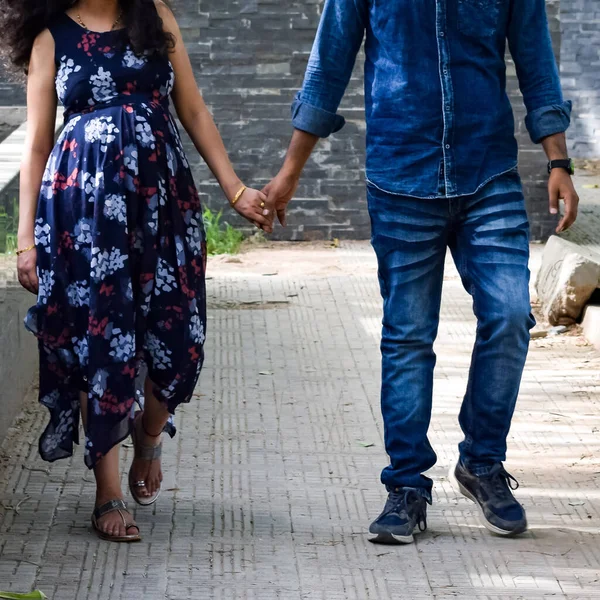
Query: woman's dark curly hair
21,21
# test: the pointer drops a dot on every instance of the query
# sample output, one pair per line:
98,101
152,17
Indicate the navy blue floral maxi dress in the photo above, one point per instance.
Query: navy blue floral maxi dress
120,245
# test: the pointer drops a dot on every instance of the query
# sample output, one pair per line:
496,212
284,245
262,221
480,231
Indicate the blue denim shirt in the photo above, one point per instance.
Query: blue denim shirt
439,121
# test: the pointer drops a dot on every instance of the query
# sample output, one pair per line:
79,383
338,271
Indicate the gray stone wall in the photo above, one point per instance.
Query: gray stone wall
249,58
580,72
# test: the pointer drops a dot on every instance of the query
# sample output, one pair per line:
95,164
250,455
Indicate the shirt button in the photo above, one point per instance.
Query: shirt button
447,146
445,71
442,34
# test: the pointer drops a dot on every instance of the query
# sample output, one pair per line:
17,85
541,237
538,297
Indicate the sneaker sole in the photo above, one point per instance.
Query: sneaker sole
467,494
391,539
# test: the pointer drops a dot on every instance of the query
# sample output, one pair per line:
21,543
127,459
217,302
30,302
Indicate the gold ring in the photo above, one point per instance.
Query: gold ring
262,204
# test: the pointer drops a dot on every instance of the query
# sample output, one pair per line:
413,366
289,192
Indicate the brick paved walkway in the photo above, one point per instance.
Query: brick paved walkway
270,485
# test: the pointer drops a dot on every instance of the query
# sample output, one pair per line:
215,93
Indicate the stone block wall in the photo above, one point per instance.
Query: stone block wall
580,72
249,58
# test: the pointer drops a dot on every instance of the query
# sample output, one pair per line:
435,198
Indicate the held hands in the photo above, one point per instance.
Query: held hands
279,192
260,207
560,186
252,205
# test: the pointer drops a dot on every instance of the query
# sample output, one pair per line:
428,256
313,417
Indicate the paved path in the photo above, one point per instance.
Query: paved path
270,487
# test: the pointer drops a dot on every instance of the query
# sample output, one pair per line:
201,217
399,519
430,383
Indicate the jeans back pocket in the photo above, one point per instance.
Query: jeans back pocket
478,18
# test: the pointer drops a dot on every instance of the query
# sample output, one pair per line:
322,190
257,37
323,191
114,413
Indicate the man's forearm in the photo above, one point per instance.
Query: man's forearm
299,151
555,146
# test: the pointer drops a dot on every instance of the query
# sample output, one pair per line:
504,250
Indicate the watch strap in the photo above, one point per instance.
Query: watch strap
564,163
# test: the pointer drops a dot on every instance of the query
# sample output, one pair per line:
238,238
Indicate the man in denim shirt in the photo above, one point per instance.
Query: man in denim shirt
442,173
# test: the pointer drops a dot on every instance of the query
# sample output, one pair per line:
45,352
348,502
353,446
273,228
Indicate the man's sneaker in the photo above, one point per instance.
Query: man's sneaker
501,512
405,510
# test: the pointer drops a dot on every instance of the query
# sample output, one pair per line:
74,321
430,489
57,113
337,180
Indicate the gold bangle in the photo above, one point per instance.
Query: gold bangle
19,252
238,195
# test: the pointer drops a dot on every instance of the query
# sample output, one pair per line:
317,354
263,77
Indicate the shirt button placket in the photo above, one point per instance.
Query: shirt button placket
447,95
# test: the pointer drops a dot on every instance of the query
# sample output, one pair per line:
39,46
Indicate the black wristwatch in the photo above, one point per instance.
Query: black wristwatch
566,164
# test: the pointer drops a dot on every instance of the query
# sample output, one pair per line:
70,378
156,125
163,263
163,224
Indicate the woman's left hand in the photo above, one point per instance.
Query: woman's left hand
253,205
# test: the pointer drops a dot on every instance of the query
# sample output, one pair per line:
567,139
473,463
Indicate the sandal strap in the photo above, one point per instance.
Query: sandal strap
148,452
110,506
145,451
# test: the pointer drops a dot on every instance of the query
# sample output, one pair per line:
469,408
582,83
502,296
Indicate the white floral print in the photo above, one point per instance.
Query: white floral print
159,352
67,66
106,262
195,235
102,130
132,61
42,235
196,330
46,282
164,281
81,348
130,159
143,133
66,421
78,293
103,87
115,208
83,234
98,382
122,346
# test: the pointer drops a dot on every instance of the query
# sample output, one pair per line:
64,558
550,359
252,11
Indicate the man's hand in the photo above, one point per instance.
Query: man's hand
279,192
560,187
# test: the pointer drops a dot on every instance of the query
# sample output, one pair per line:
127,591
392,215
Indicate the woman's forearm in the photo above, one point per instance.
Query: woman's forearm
32,171
207,139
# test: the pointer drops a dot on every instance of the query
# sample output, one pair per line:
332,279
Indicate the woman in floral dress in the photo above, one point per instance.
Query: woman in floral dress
110,232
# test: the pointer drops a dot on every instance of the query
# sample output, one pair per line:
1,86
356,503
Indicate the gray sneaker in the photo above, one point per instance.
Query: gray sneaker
405,511
492,492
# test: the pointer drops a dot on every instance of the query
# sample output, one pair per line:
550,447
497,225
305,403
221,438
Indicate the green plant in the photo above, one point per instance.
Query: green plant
221,238
9,221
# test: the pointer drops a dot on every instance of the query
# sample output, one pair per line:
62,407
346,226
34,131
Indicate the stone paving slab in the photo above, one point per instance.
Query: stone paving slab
268,491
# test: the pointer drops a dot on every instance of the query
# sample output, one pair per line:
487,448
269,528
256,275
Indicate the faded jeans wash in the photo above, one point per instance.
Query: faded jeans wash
488,235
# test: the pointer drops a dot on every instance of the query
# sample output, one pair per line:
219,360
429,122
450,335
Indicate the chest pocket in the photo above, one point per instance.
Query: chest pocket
478,18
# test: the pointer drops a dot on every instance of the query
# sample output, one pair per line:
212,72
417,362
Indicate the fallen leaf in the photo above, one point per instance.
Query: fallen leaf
576,503
591,186
265,373
366,444
36,595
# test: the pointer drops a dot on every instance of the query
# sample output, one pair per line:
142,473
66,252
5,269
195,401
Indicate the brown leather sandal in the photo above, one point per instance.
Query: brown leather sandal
143,452
114,506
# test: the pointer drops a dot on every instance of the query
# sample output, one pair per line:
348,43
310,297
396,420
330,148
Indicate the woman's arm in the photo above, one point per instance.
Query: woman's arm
198,122
41,117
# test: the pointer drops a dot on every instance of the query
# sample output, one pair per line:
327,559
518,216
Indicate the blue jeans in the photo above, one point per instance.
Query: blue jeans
488,235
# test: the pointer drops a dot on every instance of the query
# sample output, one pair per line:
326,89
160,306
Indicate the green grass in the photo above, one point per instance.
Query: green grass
8,227
221,238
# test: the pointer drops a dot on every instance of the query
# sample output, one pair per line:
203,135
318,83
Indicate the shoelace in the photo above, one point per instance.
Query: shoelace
501,481
400,502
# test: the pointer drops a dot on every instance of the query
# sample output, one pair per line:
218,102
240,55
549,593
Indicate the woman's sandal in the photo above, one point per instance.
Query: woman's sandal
114,506
144,453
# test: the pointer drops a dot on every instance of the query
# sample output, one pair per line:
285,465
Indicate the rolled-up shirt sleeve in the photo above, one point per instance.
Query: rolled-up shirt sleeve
531,48
338,40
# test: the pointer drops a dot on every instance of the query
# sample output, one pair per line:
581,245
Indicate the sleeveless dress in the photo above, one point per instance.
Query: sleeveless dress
120,246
